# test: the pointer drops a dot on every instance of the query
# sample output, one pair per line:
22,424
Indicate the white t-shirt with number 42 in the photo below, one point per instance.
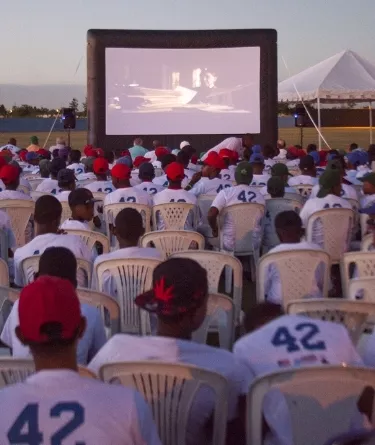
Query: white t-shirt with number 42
100,187
49,186
347,191
59,406
207,186
77,167
129,195
149,187
240,194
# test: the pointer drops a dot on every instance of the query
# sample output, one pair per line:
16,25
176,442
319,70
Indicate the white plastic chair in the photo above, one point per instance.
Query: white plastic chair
36,195
90,238
363,286
220,313
30,266
354,315
170,390
363,222
304,190
7,297
132,276
321,401
367,243
34,182
273,207
215,263
110,212
173,214
364,263
19,212
102,301
297,269
4,244
204,204
4,273
23,189
172,241
66,211
336,225
246,218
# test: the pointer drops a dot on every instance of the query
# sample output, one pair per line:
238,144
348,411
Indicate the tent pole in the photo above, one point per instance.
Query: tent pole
370,119
319,122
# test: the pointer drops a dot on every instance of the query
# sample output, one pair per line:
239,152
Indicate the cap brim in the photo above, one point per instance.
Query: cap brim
147,301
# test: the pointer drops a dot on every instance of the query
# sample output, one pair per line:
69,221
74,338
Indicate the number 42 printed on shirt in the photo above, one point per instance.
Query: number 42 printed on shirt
305,337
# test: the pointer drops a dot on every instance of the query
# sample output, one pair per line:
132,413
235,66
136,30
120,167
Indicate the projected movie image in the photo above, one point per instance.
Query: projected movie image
182,91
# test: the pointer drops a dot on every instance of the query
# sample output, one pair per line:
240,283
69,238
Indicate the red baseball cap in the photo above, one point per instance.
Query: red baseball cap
48,300
296,152
175,171
100,166
139,160
226,153
99,152
161,151
121,171
214,160
22,155
194,159
9,174
87,148
43,152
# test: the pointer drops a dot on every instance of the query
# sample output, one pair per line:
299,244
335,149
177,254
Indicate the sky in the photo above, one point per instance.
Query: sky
43,42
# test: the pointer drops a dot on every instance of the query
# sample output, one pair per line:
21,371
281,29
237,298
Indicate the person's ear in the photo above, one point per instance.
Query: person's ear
19,335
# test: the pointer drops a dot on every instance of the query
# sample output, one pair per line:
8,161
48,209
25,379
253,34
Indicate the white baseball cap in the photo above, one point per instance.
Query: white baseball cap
184,144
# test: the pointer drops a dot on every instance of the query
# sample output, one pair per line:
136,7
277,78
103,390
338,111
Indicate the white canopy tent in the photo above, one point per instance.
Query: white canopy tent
345,76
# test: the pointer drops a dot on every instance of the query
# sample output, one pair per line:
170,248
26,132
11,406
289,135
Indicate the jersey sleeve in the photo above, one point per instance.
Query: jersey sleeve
220,201
144,428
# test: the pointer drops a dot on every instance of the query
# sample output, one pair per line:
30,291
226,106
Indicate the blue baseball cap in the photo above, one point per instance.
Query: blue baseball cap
256,149
256,158
355,158
315,156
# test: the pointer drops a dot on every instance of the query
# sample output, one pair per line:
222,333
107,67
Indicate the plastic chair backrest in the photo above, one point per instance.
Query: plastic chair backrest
352,314
173,214
170,390
214,263
364,266
132,277
23,189
66,211
220,313
246,218
304,190
34,182
7,297
204,203
172,241
90,238
19,212
367,243
321,401
297,270
4,245
102,300
110,212
336,237
364,286
4,273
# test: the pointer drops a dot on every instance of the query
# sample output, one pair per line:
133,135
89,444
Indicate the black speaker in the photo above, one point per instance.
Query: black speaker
69,118
300,118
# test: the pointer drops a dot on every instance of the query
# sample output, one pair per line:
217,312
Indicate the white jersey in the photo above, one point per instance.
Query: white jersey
73,224
268,163
63,196
30,169
86,176
315,205
24,182
40,243
93,339
130,195
232,143
134,180
14,194
100,187
303,180
77,167
150,155
260,180
124,347
109,284
175,195
161,180
49,186
240,194
58,406
149,187
156,164
367,201
292,163
207,186
347,192
272,285
227,174
12,148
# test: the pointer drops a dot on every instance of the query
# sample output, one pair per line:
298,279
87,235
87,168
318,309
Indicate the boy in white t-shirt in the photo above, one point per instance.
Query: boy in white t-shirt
50,185
242,193
82,204
128,230
289,230
179,298
66,182
55,404
166,159
368,197
102,184
146,175
281,171
10,175
74,162
259,178
308,173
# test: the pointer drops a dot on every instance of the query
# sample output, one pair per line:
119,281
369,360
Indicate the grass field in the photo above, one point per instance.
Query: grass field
336,137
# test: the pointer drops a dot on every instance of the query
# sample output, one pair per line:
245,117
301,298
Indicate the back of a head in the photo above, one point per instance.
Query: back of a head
57,164
183,158
129,224
311,147
60,141
353,146
138,141
276,187
167,159
59,262
288,220
261,314
189,150
47,209
75,156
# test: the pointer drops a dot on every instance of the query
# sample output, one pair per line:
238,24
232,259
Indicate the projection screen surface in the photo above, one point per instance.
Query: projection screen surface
165,91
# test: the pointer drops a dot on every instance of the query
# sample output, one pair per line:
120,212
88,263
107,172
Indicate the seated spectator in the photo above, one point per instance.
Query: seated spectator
179,299
128,230
280,150
102,184
11,146
51,325
269,154
257,163
165,161
10,176
50,185
280,170
138,161
66,181
146,176
137,149
60,143
227,173
329,197
34,144
45,168
184,159
356,167
74,162
209,182
60,262
81,202
308,173
275,342
293,156
242,193
276,187
160,152
312,150
175,193
89,174
32,163
289,230
368,190
47,217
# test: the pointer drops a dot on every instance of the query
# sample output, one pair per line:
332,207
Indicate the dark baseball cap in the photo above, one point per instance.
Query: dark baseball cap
306,163
275,186
243,173
328,180
279,170
81,196
66,176
146,170
57,164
